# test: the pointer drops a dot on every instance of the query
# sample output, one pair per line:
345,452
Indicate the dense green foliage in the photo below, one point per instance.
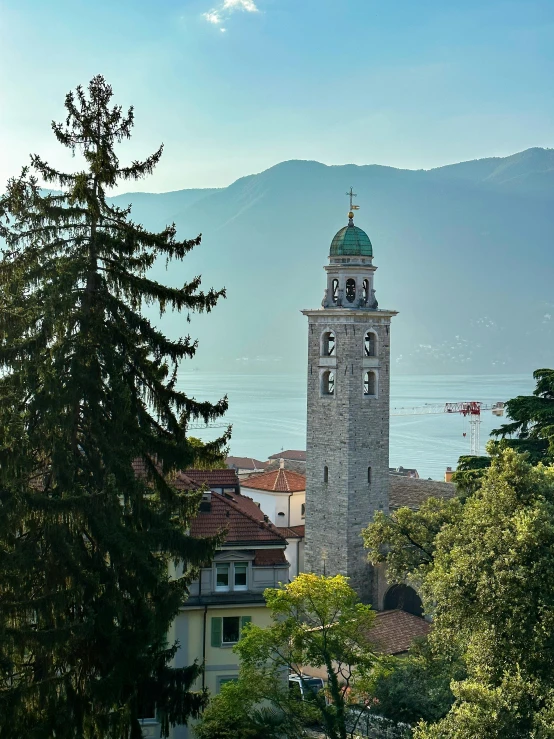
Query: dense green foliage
530,431
416,687
242,710
88,385
405,539
489,585
318,622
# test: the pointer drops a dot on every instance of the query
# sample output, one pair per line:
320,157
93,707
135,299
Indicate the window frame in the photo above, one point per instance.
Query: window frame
375,393
240,588
222,588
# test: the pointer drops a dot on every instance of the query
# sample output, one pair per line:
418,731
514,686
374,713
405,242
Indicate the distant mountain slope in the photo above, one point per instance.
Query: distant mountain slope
465,253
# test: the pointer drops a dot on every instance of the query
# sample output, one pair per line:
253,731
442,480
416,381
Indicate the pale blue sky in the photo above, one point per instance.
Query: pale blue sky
409,83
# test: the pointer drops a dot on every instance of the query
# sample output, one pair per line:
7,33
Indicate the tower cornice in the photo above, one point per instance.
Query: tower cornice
352,313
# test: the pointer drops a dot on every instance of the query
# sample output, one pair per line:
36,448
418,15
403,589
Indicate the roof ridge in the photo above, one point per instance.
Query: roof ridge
236,507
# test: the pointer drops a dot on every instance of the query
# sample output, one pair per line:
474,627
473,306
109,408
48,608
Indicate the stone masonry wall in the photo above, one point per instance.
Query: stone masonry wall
347,432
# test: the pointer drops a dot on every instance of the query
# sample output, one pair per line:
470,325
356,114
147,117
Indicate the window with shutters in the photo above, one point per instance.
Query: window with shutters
226,629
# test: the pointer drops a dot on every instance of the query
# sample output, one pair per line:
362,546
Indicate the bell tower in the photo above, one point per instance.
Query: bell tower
347,465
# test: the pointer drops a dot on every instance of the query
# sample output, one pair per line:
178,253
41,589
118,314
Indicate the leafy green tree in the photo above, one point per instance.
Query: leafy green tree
532,420
206,458
242,710
318,622
491,590
416,687
88,386
405,539
530,431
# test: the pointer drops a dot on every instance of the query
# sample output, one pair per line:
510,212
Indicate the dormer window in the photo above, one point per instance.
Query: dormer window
222,577
241,571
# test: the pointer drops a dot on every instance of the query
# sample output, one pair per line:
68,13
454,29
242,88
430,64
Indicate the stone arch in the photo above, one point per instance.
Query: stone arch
403,598
328,343
371,345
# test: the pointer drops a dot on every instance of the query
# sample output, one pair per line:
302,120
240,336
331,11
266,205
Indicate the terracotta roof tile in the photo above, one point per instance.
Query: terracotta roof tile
281,481
269,557
245,463
288,532
240,525
214,478
394,631
412,492
299,530
296,455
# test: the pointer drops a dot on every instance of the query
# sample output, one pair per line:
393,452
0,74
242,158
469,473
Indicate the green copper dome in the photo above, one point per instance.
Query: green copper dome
351,241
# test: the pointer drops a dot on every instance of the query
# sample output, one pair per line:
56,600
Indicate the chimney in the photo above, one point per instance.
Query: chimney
448,474
281,464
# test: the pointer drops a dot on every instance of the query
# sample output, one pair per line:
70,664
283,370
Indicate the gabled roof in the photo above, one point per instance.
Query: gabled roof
393,632
242,521
412,492
292,532
296,455
213,478
245,463
281,481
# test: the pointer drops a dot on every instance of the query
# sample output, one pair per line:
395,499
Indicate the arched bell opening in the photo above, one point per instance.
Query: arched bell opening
328,344
328,383
370,344
350,292
370,384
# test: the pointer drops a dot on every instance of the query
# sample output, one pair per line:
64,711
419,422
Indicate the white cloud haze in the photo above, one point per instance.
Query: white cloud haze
216,16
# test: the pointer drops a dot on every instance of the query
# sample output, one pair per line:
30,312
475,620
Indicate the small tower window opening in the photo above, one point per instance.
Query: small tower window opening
328,344
328,383
365,291
369,475
350,289
370,384
370,344
303,510
326,474
335,288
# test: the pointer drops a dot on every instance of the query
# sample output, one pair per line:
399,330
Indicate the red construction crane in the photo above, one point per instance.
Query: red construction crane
470,409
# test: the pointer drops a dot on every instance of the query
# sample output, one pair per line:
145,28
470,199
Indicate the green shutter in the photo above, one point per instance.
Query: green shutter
244,620
217,629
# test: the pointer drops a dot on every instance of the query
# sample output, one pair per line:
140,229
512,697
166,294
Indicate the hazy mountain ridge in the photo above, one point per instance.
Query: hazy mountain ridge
464,253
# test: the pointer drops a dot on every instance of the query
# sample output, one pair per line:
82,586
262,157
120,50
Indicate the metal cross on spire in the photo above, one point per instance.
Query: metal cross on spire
352,195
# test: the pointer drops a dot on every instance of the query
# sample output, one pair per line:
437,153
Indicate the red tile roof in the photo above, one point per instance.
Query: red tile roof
245,463
394,631
270,557
281,480
292,532
240,522
214,478
295,455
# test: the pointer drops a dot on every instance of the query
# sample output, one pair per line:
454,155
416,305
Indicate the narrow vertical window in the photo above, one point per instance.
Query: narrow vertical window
328,344
365,291
350,293
335,291
328,383
370,344
222,577
369,475
326,474
370,384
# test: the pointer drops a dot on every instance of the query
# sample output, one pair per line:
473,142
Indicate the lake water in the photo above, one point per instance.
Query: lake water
268,413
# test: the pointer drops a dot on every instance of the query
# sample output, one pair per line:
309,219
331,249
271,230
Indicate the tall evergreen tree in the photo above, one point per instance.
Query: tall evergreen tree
88,386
